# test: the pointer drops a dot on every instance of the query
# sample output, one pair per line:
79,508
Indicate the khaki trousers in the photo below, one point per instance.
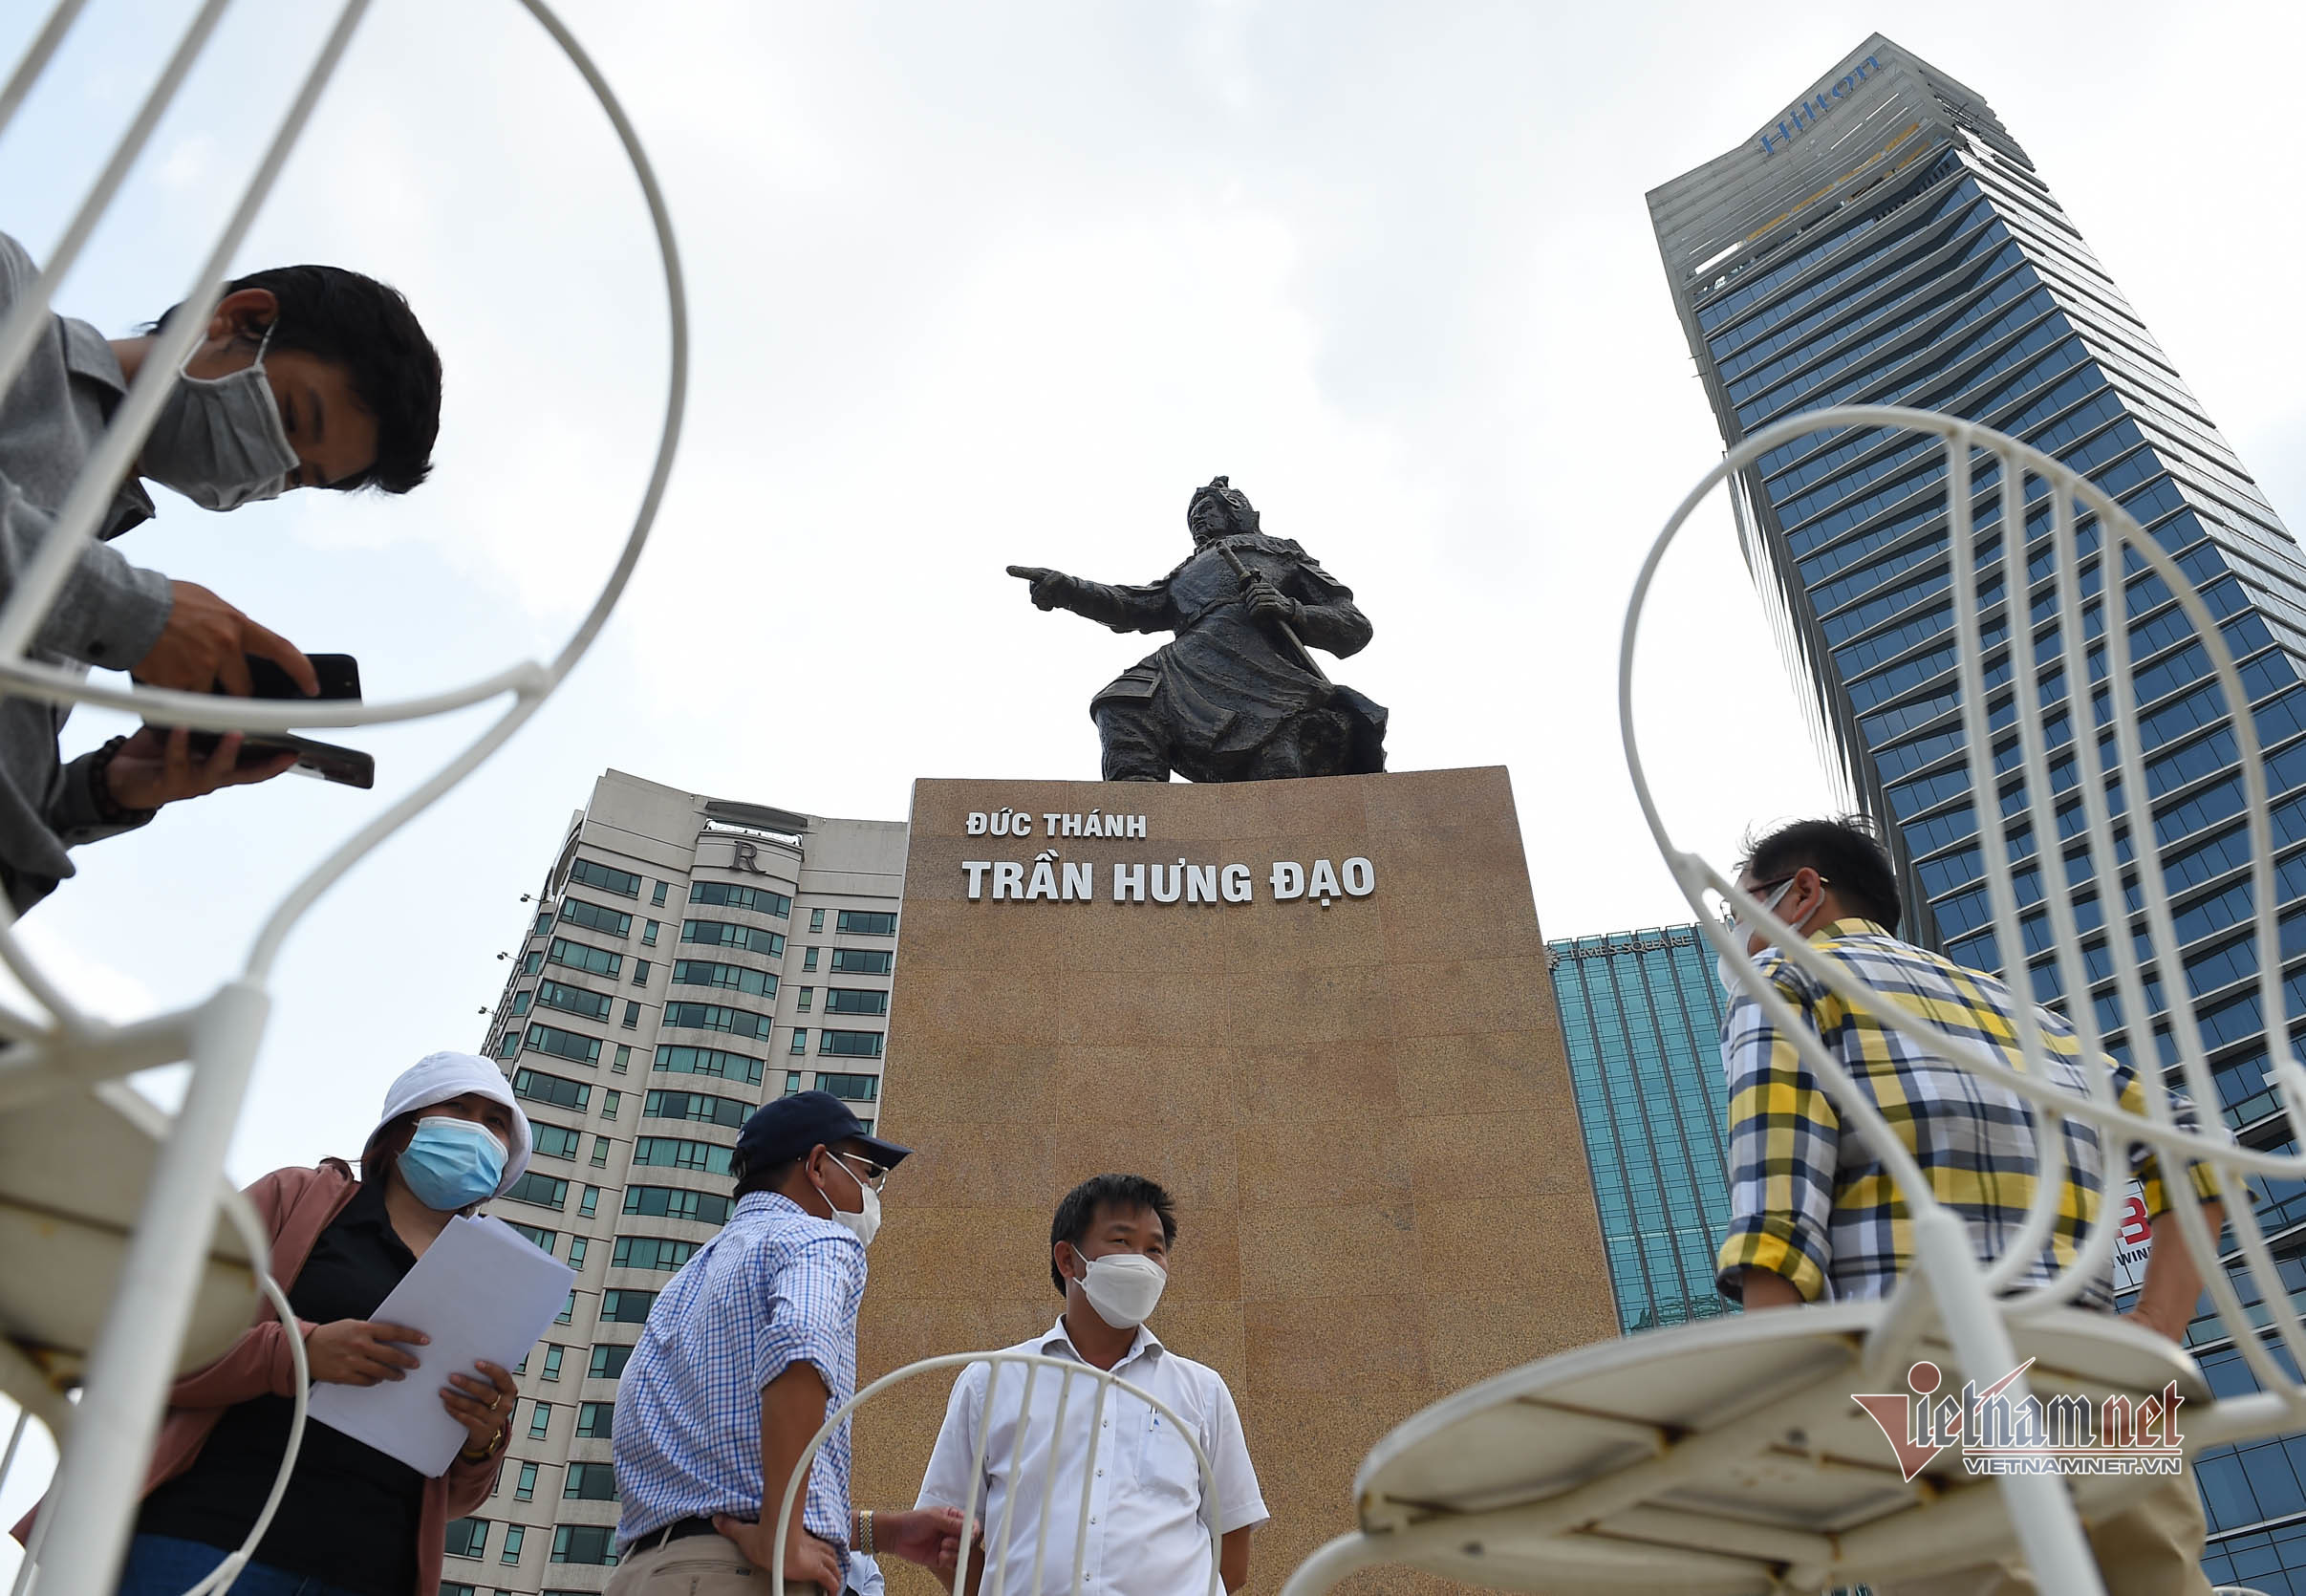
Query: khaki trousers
2152,1547
699,1565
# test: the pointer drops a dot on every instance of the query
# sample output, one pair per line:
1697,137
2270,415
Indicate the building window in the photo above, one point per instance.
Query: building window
589,1482
597,1421
729,895
792,1080
590,1204
626,1307
855,1000
555,1141
544,923
816,919
533,962
536,1236
540,1189
648,934
624,1060
600,1153
710,1061
595,917
508,1046
608,1363
576,1252
733,978
856,1088
651,1252
851,1044
640,972
809,995
656,897
726,933
566,1044
717,1017
610,1103
809,959
524,1490
585,956
568,1313
727,1112
800,1042
632,1016
669,1202
558,1091
574,1000
591,873
468,1537
593,1543
866,922
552,1361
520,1001
862,961
540,1421
514,1535
676,1153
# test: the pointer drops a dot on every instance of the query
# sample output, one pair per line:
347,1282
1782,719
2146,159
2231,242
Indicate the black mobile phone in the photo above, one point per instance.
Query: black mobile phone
339,677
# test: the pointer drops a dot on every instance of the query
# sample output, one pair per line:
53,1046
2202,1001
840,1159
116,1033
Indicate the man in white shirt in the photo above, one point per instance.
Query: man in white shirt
1150,1513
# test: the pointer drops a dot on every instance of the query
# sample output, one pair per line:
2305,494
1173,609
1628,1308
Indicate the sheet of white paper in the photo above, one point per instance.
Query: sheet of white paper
482,1290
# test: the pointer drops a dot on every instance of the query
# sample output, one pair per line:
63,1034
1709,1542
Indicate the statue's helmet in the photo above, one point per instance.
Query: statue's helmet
1237,508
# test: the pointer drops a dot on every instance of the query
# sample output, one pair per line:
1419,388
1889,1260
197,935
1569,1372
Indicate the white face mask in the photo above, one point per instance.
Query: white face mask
218,441
1726,972
1124,1287
866,1222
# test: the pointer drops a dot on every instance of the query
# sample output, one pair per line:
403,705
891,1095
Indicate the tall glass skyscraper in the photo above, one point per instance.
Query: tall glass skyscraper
1642,1014
1883,239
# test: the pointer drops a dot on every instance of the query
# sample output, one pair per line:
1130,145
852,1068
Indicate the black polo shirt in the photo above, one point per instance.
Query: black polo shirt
350,1513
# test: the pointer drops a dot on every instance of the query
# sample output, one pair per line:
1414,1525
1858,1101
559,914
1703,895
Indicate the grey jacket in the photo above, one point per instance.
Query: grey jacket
109,614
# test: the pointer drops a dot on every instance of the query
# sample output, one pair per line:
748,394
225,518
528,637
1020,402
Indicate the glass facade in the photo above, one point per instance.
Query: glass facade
1911,255
1642,1016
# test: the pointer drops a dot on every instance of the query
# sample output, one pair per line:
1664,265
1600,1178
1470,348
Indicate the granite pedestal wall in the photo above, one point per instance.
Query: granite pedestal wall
1363,1107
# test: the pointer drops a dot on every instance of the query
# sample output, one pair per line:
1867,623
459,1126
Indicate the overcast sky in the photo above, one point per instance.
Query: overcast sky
973,285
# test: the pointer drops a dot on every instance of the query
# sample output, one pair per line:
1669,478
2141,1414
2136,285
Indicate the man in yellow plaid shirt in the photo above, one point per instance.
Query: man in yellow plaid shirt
1813,1215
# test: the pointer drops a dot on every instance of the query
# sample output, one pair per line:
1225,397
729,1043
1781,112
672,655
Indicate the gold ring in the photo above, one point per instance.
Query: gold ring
494,1400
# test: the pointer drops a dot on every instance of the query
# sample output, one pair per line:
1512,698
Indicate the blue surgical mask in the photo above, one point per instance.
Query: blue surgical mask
451,1164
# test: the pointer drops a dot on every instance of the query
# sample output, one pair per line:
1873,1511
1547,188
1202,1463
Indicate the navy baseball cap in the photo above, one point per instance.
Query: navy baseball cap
787,1128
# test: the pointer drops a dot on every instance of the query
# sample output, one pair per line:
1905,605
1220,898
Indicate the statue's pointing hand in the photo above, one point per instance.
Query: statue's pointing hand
1048,586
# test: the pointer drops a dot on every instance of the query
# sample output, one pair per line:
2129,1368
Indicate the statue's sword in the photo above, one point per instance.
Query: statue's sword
1304,655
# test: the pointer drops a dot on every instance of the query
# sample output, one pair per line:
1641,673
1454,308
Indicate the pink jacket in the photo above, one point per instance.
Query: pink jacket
296,1205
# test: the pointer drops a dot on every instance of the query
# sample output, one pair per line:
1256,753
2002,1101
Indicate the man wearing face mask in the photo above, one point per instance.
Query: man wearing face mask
307,375
1149,1516
745,1354
1814,1217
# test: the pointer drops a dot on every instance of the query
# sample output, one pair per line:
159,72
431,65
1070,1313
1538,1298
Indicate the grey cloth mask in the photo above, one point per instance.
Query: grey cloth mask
218,441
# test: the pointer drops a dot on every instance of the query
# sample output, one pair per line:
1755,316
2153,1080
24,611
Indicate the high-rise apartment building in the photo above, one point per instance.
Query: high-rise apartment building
1883,239
1640,1013
689,958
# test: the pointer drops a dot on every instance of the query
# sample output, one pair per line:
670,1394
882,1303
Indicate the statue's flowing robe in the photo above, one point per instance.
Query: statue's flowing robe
1227,684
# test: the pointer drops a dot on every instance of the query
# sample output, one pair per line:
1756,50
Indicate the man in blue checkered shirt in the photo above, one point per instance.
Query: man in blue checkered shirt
1813,1213
744,1356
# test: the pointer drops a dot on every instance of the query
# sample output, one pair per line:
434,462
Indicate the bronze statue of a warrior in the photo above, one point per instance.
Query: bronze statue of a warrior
1235,695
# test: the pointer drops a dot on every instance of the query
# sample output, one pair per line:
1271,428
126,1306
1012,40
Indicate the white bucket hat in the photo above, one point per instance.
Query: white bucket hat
437,1077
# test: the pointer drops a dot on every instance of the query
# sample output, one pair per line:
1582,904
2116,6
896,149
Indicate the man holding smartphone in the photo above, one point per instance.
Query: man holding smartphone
306,377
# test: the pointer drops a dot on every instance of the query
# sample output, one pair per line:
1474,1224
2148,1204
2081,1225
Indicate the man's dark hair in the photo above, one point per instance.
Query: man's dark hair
1845,852
766,1178
1077,1213
367,328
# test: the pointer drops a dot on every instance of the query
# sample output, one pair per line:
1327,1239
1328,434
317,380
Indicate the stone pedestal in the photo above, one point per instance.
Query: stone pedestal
1362,1108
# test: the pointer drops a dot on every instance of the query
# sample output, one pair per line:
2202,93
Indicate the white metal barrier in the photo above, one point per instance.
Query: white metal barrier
1724,1456
998,1536
58,1049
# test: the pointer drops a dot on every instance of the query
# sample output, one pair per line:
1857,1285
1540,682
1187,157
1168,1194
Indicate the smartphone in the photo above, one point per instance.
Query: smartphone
339,677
